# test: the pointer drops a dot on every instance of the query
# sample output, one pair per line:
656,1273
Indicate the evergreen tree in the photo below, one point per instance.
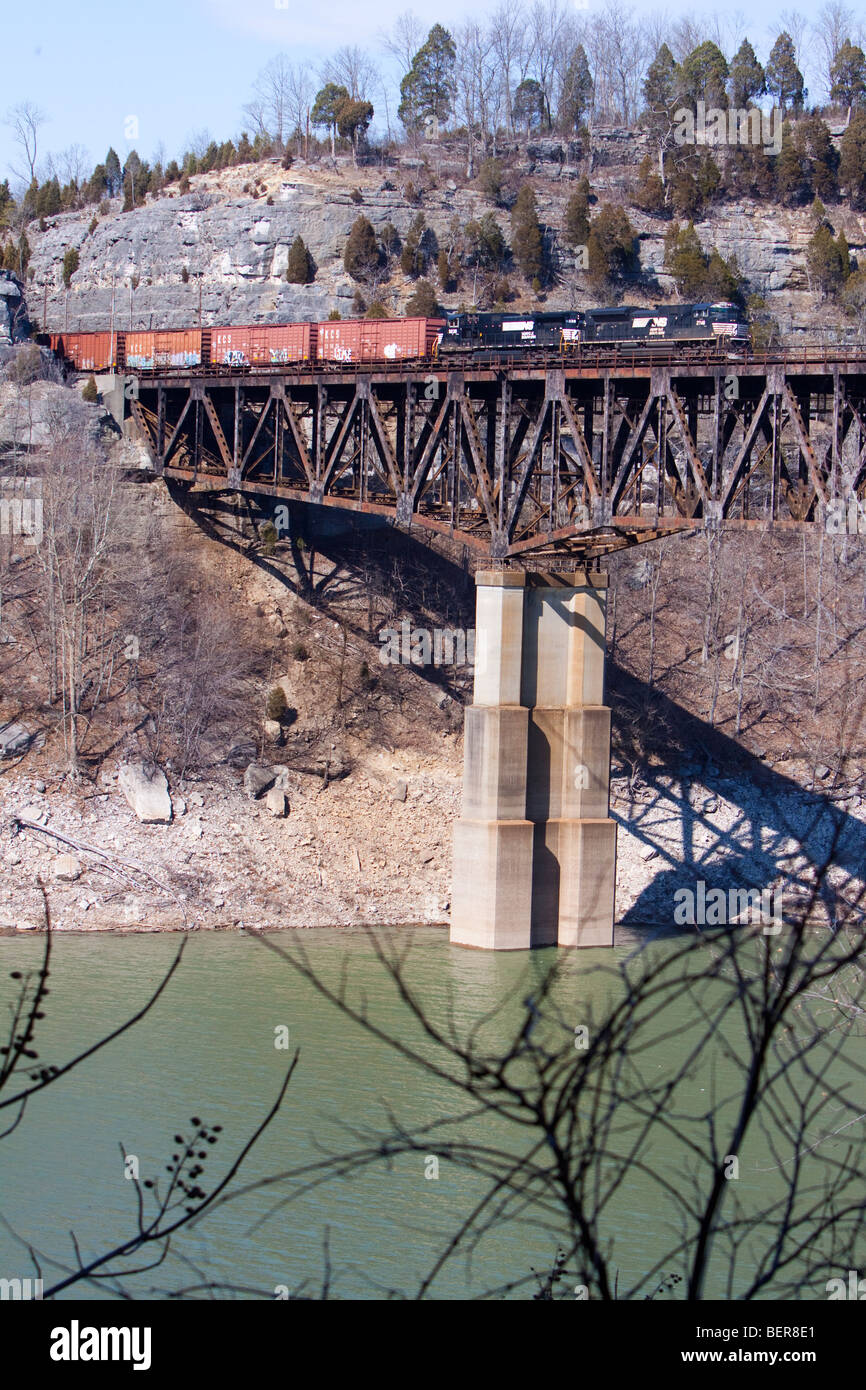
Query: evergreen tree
353,122
529,106
377,310
661,85
427,90
649,194
848,76
684,259
822,154
748,79
89,391
660,89
526,242
784,78
575,97
703,75
326,109
487,246
722,280
70,265
113,173
686,197
611,245
827,260
576,230
413,260
491,176
362,255
245,149
852,162
300,269
793,171
423,302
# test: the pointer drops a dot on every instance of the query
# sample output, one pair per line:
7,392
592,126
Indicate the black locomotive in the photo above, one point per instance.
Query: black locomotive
722,323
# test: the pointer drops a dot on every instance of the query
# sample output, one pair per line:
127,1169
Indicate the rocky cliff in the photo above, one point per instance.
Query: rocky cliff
219,252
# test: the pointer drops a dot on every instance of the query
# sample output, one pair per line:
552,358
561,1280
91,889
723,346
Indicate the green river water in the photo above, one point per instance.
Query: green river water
207,1049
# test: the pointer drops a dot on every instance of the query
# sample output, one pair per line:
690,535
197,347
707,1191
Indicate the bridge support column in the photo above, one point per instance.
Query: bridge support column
534,849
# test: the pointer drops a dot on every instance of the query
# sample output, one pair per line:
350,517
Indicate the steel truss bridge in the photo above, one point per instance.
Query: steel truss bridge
526,461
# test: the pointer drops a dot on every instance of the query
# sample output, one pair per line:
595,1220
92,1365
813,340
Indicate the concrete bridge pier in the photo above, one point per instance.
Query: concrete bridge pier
534,848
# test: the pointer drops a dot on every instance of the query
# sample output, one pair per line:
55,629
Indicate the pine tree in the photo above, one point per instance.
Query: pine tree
684,259
649,194
703,75
748,79
825,260
413,260
793,181
427,90
326,109
362,254
848,76
575,97
576,230
784,78
423,302
113,173
526,242
70,265
300,270
89,391
611,245
660,98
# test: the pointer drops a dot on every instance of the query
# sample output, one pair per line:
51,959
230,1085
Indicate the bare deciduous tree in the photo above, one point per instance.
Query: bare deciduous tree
25,120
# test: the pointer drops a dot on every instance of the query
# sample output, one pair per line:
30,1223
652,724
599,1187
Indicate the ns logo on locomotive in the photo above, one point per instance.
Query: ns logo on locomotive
627,324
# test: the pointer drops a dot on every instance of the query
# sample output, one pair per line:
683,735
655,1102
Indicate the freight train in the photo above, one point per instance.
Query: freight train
267,347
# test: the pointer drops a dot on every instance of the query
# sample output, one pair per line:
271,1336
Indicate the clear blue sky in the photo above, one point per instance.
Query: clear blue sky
181,66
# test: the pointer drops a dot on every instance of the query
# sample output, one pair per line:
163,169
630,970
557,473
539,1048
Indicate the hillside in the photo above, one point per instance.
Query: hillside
219,252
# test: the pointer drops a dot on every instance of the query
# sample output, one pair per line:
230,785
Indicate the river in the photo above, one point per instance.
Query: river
208,1049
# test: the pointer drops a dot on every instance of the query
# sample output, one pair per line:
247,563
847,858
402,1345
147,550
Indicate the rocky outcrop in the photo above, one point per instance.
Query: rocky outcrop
219,254
14,324
15,739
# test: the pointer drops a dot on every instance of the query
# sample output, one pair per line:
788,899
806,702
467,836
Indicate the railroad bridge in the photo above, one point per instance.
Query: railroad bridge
540,466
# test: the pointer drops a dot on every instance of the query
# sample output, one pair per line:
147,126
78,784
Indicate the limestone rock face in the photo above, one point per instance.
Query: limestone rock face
218,254
14,326
146,789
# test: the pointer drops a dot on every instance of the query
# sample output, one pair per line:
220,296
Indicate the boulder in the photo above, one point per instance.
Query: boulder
66,869
273,731
276,802
14,739
400,792
145,787
258,779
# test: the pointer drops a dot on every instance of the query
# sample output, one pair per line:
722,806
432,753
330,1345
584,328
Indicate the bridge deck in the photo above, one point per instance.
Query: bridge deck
558,457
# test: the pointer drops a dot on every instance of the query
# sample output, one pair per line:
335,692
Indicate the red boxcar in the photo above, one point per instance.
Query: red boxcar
376,340
147,352
261,344
88,352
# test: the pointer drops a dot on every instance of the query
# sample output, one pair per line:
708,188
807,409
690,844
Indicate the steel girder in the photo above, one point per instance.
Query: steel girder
525,462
